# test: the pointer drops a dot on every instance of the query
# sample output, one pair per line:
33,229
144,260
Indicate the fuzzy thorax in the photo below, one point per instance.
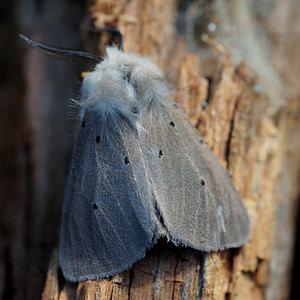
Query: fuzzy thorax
123,88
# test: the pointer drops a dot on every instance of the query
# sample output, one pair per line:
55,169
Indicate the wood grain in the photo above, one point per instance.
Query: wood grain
238,84
251,137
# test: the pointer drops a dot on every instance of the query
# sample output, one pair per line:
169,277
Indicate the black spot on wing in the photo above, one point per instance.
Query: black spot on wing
160,153
172,123
126,160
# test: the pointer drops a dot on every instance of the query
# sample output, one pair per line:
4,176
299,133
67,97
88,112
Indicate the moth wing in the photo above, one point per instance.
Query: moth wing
106,218
111,206
194,194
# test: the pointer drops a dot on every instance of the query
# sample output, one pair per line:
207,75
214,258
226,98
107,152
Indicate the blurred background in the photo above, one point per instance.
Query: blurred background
36,137
38,127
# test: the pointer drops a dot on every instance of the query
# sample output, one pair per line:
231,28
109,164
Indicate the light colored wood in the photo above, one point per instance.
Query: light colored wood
253,132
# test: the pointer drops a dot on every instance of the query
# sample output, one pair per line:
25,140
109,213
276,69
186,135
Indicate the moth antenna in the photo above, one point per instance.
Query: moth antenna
69,55
114,31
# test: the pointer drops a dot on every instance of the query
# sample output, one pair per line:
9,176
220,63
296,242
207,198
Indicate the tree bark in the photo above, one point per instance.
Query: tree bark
239,105
235,74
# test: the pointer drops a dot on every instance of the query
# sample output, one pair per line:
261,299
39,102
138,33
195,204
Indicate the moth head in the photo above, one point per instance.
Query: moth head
121,89
125,84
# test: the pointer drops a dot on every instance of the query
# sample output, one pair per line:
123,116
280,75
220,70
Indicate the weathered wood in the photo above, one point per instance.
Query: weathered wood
235,70
253,132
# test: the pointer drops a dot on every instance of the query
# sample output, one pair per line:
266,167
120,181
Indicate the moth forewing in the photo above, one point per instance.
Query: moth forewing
140,171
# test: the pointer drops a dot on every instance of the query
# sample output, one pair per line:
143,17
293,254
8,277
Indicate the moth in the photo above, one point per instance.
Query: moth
140,171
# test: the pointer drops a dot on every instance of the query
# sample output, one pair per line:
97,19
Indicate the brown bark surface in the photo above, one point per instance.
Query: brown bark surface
253,131
238,84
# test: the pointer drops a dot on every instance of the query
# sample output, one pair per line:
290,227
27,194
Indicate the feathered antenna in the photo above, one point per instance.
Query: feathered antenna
113,31
69,55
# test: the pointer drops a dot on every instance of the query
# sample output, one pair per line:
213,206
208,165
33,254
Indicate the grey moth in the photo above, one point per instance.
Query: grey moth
140,171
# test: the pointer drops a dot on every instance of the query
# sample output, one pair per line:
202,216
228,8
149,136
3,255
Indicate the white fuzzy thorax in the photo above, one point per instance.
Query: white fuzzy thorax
124,87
